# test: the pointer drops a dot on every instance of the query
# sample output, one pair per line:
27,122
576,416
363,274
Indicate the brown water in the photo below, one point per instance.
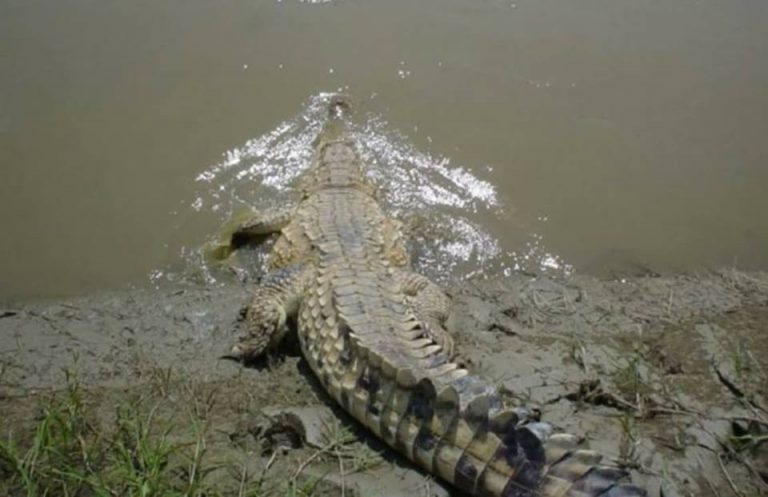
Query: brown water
613,132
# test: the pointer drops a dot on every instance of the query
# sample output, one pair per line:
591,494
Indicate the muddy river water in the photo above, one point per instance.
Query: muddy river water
590,136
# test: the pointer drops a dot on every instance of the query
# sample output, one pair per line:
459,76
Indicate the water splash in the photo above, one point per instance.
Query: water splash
440,203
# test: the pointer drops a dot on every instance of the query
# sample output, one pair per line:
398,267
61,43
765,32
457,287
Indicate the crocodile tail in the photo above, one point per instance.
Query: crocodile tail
461,432
455,425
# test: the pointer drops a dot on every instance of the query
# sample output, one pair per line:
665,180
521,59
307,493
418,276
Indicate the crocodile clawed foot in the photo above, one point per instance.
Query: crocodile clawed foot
266,328
252,345
245,351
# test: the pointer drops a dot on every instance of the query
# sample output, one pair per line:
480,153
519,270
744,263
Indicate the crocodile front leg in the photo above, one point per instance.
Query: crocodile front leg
245,228
276,299
431,305
262,224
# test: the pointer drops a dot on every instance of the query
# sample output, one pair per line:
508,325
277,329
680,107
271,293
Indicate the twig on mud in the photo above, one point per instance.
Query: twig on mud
341,472
755,362
728,477
271,461
195,466
751,440
625,403
677,446
593,393
674,412
579,355
314,456
748,419
243,476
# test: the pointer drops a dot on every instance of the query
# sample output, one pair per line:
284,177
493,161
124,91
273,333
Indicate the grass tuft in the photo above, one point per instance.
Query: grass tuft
159,442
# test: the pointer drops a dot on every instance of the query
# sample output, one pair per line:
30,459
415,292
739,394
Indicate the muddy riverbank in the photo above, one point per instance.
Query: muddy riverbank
664,375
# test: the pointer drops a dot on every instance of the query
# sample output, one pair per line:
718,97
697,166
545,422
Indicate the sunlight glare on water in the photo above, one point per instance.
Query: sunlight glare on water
438,201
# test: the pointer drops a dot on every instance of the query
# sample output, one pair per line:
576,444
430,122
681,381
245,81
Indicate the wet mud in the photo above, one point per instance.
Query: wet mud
664,375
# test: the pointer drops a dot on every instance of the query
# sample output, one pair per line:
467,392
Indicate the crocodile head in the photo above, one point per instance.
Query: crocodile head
337,162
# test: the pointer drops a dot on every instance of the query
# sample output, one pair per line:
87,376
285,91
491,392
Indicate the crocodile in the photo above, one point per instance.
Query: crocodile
373,332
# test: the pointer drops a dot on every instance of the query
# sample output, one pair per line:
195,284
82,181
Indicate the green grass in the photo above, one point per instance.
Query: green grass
156,444
69,456
58,456
628,454
740,360
629,378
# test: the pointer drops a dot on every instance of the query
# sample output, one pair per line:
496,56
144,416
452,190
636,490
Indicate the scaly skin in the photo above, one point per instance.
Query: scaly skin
372,331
